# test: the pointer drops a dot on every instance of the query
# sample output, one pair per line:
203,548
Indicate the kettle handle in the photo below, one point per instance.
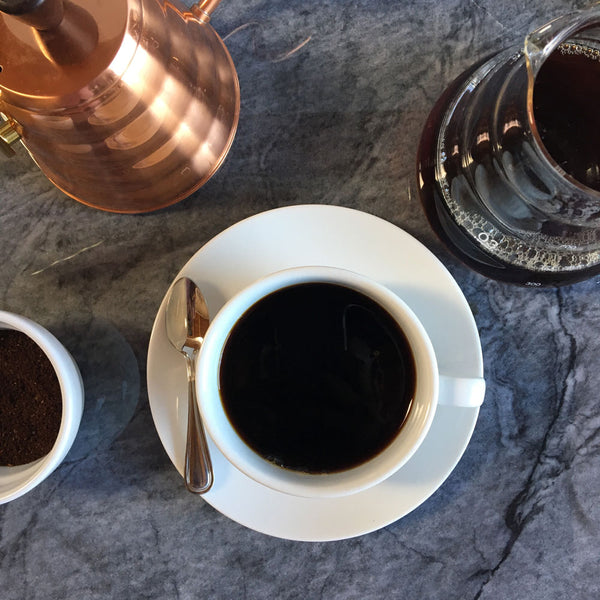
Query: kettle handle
8,136
41,14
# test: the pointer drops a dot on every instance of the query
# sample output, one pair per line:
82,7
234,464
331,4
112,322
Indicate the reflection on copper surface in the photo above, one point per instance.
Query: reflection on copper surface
71,39
142,122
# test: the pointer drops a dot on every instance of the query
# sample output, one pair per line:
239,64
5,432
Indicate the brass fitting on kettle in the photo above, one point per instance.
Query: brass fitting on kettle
8,136
203,10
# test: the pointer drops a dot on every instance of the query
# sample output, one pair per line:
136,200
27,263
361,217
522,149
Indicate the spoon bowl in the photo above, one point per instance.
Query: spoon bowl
186,323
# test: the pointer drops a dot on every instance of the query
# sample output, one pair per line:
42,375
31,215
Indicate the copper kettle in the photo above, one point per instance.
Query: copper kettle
125,105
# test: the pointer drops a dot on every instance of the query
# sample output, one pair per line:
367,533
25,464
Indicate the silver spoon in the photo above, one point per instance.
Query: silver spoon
187,322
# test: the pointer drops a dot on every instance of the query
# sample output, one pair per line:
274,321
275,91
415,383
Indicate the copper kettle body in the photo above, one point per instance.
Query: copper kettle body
125,105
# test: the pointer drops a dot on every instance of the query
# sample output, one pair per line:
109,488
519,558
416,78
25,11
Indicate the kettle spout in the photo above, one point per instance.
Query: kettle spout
203,10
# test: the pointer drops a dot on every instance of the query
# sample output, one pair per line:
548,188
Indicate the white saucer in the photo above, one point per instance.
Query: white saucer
346,238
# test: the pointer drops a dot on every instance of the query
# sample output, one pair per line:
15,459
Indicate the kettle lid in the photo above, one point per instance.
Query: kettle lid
52,53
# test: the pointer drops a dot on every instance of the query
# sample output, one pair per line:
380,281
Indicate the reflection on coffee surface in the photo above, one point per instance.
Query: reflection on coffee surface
317,377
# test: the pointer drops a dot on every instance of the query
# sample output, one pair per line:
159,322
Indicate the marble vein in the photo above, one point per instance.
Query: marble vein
66,258
487,12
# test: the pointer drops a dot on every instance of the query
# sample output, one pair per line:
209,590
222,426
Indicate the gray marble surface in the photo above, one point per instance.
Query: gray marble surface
336,121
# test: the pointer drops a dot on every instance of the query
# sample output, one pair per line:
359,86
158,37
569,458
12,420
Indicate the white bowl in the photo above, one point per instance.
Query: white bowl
18,480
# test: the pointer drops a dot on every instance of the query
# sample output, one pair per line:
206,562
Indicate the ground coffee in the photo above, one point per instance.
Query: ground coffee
30,400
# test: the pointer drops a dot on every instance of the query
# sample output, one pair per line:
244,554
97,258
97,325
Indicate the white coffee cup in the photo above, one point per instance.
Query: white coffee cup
431,389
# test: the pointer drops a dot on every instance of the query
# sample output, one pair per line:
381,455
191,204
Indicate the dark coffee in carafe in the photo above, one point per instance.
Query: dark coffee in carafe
565,108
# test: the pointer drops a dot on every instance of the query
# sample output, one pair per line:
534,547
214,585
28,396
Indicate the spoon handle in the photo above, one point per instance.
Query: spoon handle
198,466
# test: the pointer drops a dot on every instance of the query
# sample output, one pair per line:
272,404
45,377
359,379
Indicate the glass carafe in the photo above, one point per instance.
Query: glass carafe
509,161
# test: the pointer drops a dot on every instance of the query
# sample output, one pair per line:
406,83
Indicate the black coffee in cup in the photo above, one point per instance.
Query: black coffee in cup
317,377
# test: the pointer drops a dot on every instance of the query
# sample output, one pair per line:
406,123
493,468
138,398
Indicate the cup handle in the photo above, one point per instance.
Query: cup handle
461,391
